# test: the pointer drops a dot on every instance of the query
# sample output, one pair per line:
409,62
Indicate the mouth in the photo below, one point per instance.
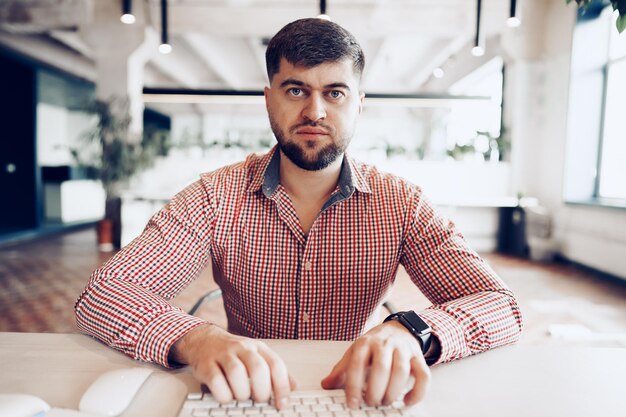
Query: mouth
311,132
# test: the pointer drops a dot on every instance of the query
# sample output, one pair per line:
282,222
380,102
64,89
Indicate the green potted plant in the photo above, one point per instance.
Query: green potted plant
113,153
619,5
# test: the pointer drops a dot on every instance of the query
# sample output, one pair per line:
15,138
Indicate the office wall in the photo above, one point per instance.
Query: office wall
538,95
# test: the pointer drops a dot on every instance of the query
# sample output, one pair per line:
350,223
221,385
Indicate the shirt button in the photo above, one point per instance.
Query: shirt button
305,317
307,266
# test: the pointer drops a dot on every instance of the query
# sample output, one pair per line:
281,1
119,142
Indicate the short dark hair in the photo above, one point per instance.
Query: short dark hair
311,42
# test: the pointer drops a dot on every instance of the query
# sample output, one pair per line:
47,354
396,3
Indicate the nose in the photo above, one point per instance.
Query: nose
315,108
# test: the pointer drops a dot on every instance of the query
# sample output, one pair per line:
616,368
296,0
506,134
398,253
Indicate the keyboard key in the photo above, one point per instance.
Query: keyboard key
288,413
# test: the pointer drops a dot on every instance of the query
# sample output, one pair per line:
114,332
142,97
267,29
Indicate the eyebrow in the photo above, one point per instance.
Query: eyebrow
293,81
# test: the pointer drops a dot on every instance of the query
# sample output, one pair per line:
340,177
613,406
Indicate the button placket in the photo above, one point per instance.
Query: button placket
304,316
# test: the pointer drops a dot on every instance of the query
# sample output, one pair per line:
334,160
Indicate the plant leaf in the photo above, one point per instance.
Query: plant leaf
621,23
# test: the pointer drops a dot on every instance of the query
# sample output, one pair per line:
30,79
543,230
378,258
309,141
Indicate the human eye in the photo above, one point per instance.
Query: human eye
295,91
336,94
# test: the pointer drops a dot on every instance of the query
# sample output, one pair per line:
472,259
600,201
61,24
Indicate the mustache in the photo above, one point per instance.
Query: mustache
328,129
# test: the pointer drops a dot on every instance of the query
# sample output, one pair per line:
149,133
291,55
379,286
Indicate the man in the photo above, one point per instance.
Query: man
305,243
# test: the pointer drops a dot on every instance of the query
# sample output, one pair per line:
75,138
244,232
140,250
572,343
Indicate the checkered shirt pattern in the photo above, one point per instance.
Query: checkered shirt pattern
278,282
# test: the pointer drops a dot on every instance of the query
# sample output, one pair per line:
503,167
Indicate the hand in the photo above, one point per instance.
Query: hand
234,367
393,357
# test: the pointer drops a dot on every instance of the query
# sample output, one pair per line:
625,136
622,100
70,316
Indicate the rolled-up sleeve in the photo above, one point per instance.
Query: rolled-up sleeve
125,302
473,310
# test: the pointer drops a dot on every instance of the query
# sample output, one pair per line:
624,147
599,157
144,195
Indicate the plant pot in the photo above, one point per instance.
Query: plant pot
105,235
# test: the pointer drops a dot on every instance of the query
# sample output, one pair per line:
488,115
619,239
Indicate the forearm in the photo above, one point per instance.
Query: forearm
131,319
472,310
474,323
125,302
179,353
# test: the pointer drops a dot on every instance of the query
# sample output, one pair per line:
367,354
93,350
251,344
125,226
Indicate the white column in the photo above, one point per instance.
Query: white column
120,52
537,57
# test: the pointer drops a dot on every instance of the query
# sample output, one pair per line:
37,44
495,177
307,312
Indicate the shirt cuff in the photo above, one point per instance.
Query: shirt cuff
161,333
449,332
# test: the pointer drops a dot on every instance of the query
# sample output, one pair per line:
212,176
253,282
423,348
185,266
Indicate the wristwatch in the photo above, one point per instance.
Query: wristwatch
418,327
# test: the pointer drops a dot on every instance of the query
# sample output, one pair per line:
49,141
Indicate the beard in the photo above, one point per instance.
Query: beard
301,155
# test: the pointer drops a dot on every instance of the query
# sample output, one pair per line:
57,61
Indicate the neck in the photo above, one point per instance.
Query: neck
309,185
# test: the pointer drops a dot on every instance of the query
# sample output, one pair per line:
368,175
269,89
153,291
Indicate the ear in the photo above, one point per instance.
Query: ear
361,100
266,93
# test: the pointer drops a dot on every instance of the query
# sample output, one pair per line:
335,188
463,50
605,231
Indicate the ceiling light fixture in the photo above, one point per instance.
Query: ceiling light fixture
514,20
438,72
165,47
323,14
479,39
127,14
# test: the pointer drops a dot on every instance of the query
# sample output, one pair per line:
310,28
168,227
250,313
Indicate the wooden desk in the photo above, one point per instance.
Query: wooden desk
511,381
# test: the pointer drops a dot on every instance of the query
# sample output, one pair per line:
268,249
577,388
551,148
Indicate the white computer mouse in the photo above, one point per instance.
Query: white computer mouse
113,391
22,405
65,412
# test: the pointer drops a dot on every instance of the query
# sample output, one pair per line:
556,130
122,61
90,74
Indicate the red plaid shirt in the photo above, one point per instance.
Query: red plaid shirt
278,282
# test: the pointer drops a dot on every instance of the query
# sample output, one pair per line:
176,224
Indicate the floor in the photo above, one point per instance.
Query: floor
561,304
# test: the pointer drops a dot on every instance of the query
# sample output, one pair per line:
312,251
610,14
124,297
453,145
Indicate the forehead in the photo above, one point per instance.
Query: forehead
323,74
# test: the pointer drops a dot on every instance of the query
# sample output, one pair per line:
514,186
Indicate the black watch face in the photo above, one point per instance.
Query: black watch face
416,322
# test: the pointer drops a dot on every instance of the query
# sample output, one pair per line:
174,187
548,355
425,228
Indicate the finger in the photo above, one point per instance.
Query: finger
337,376
379,374
355,374
216,383
237,377
421,373
259,372
399,377
281,381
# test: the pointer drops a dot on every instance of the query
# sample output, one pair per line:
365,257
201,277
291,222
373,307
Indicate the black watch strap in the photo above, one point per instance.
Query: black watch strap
418,327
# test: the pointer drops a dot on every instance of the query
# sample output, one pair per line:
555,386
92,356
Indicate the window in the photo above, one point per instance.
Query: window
596,148
612,182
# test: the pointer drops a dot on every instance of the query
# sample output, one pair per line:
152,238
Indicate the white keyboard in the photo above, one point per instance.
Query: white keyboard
319,403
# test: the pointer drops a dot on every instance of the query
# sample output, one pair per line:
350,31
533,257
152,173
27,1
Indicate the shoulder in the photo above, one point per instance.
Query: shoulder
384,184
234,177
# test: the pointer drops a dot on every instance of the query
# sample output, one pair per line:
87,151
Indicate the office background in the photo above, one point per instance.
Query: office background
512,131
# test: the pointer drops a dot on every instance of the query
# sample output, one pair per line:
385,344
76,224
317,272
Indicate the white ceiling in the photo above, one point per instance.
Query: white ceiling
220,44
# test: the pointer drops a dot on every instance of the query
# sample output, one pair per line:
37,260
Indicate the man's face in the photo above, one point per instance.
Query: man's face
313,111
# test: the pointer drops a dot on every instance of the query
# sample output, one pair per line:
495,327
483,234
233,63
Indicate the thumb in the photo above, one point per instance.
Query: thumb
292,383
337,377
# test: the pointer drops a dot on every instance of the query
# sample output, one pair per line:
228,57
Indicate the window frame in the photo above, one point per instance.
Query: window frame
594,198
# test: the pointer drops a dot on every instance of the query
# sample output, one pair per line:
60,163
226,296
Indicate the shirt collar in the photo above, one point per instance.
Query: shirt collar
268,175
